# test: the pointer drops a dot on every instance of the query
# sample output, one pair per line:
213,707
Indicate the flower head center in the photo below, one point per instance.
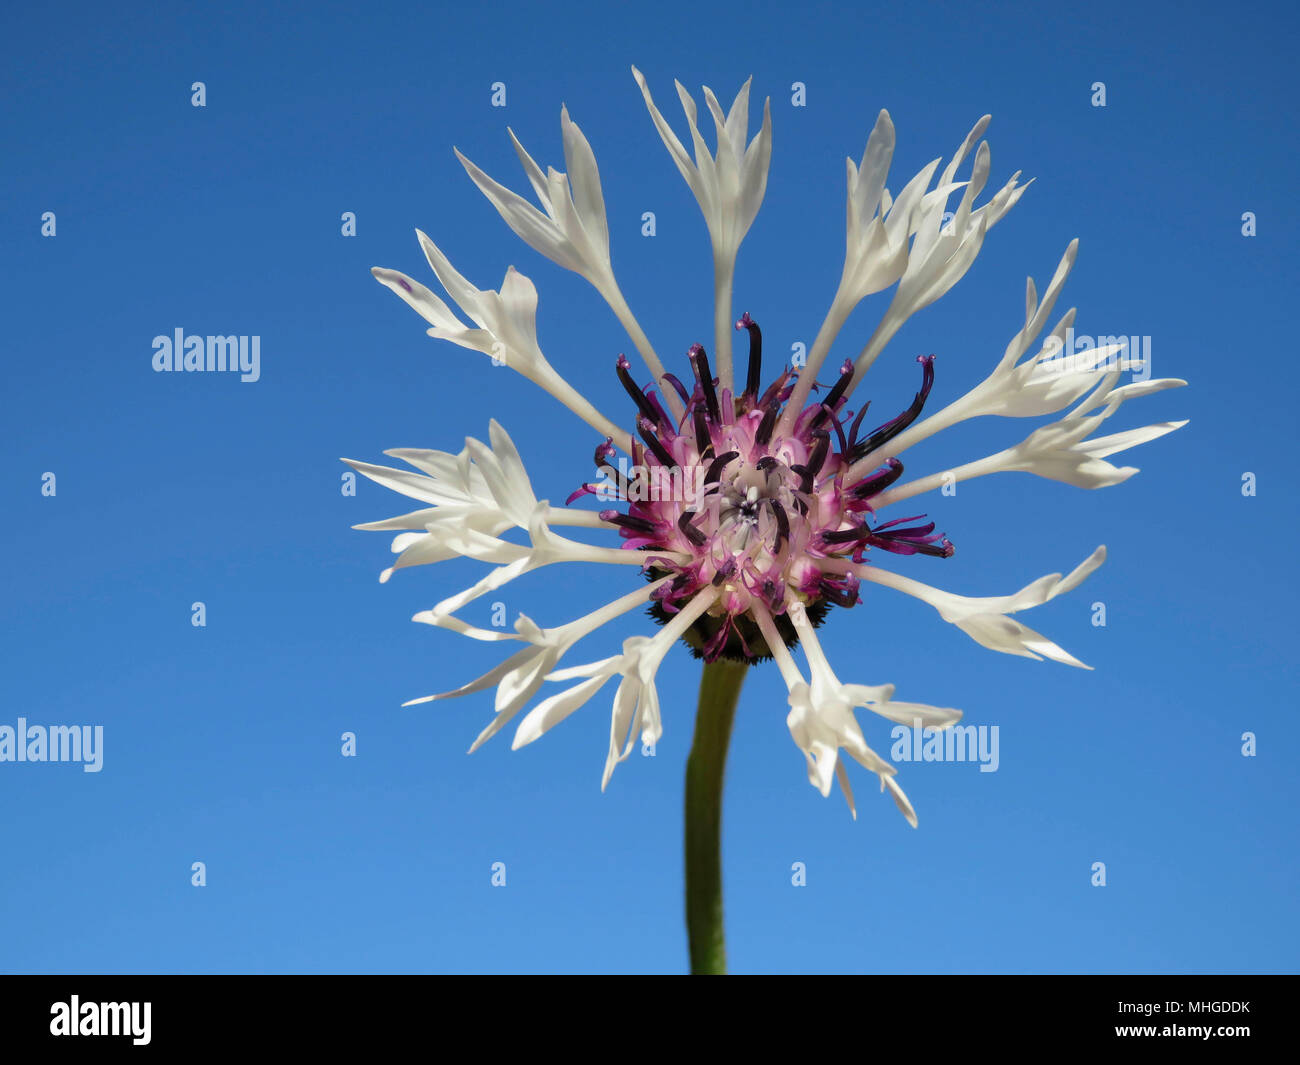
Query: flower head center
760,515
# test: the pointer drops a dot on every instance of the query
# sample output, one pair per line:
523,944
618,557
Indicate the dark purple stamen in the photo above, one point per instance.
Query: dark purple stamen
629,521
922,530
621,483
717,465
880,480
755,354
703,439
647,430
833,397
638,397
892,428
808,472
943,549
846,536
842,591
690,531
700,364
857,423
918,539
782,523
818,457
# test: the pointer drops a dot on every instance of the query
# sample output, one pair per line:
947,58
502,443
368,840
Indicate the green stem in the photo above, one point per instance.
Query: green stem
719,693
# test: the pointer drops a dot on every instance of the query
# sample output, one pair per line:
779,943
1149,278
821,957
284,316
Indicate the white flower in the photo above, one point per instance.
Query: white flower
878,252
984,620
573,232
784,522
520,676
821,718
481,490
636,704
728,185
507,327
1060,451
1043,384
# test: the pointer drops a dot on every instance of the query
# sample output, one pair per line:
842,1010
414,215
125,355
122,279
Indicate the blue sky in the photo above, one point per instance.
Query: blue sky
222,743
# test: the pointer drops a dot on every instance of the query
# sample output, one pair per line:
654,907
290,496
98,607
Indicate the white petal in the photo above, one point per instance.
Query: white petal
585,180
842,775
413,485
529,224
550,712
917,714
899,799
425,303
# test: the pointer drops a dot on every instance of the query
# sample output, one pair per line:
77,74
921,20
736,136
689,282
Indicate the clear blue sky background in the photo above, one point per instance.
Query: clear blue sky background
222,744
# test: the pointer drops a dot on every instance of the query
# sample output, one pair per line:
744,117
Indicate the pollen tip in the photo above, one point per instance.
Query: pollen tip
695,350
745,321
622,363
846,367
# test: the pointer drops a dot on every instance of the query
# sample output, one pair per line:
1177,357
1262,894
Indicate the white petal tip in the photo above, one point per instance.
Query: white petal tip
523,739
